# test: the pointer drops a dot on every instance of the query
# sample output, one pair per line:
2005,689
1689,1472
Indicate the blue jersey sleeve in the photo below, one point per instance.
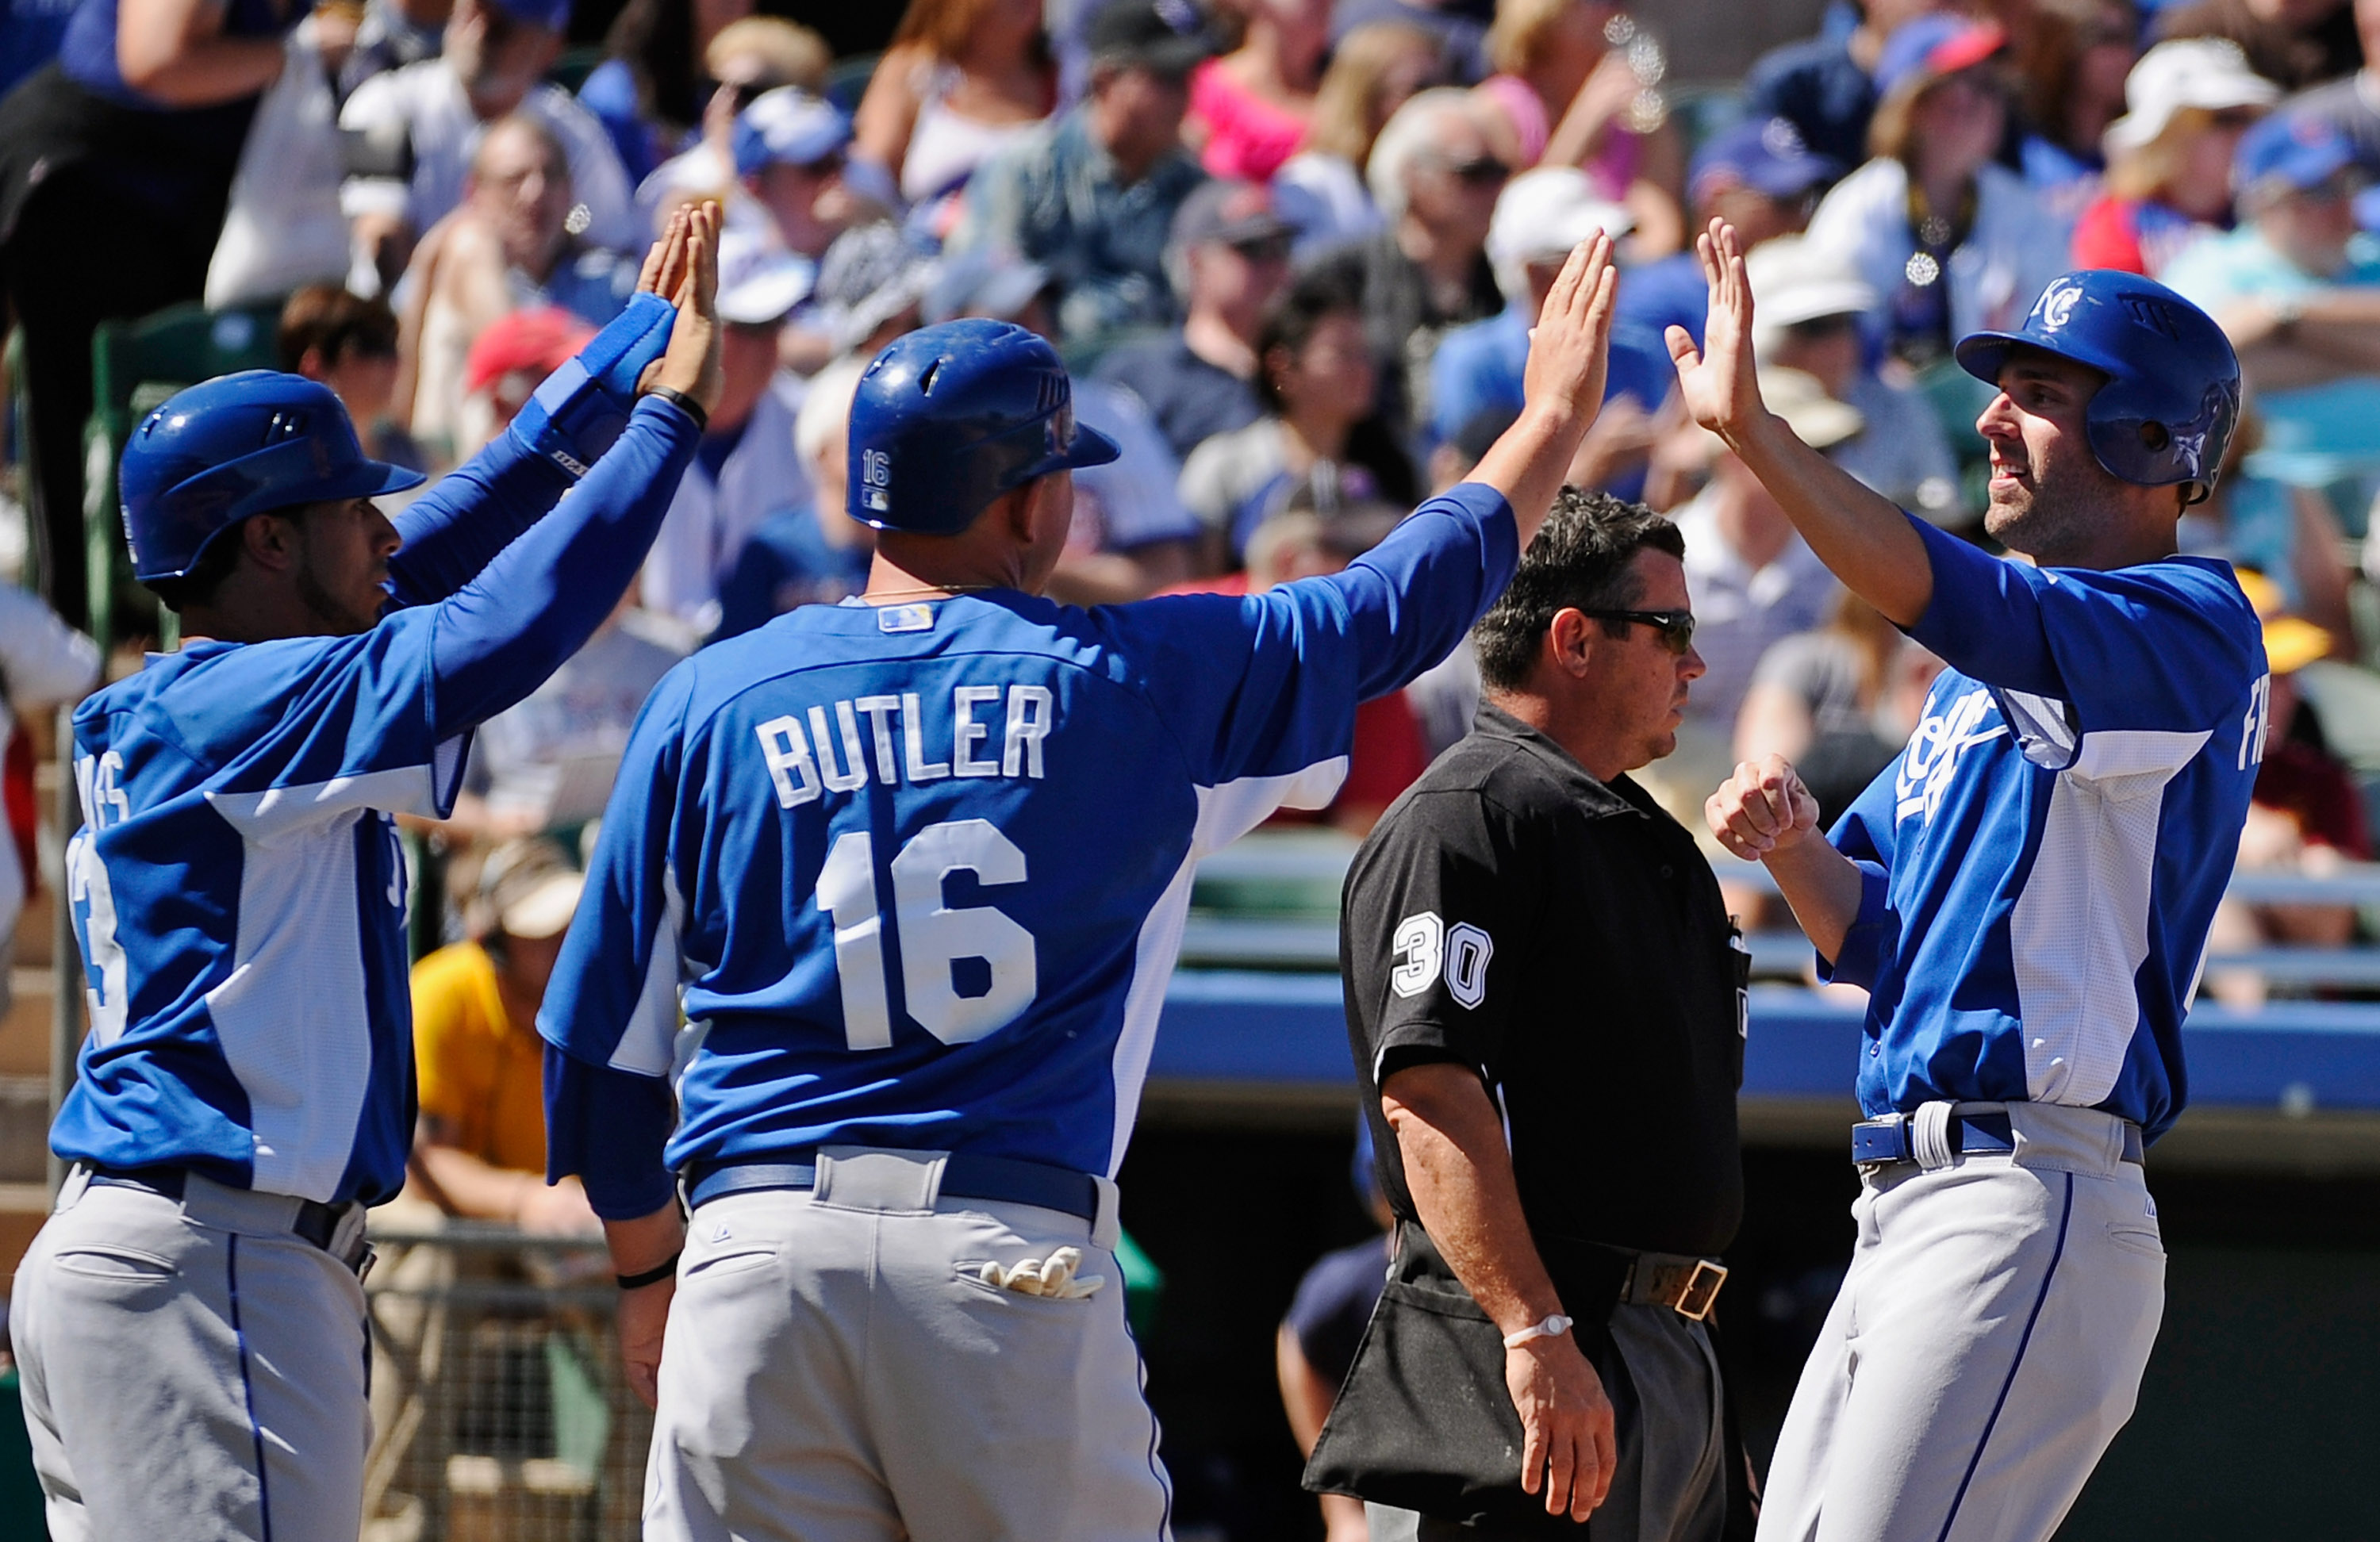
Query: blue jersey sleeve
612,1003
457,529
1266,687
2163,647
504,632
608,1128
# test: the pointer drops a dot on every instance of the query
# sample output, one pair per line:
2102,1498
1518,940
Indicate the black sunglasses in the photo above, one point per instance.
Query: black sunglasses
1677,627
1480,170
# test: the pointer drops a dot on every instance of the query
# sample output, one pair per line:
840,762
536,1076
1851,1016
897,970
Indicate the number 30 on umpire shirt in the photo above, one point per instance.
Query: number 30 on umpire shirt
1565,937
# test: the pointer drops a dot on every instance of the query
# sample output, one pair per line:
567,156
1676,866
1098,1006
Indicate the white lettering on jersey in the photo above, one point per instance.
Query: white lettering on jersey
853,775
787,751
965,733
1419,940
105,973
1468,949
835,754
1924,774
2257,724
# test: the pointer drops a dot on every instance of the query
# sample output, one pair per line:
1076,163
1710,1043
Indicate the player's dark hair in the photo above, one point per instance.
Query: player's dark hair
1297,315
1579,560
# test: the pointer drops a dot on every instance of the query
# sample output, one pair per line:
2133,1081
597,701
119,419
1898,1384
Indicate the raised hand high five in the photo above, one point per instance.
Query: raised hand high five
1718,384
1561,387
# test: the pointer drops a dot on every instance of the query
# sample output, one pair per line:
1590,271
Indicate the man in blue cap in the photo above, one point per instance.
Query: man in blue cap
916,865
789,155
2297,286
1761,179
429,114
192,1320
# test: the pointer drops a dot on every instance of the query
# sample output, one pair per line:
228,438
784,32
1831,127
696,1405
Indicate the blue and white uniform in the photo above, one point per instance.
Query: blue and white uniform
2039,870
918,876
239,893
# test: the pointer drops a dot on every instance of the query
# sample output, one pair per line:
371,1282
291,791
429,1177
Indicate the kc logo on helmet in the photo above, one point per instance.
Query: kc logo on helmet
876,476
2056,304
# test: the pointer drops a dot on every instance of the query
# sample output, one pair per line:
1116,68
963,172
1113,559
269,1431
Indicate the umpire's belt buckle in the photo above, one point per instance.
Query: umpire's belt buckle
1700,1292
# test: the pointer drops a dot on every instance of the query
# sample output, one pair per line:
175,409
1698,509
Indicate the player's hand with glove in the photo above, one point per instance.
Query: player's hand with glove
1763,809
1566,1449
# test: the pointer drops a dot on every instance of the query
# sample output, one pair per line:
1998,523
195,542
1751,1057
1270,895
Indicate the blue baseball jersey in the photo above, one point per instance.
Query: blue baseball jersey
918,873
2041,864
238,890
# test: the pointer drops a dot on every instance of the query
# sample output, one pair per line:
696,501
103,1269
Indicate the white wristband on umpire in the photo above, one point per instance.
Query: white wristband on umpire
1552,1328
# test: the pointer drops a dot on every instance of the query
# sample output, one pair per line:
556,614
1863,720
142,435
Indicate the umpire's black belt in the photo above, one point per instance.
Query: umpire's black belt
315,1222
1888,1140
964,1176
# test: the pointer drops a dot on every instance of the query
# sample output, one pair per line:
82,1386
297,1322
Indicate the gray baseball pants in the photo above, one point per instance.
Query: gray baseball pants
1987,1343
192,1369
836,1370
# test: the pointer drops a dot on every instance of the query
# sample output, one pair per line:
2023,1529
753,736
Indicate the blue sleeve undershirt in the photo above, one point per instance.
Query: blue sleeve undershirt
620,1168
506,631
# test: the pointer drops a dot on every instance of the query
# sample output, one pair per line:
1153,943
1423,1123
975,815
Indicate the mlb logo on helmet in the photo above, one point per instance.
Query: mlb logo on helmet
876,473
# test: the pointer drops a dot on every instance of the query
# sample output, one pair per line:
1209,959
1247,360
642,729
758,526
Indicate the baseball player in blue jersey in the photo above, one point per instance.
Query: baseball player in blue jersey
190,1321
916,867
2026,894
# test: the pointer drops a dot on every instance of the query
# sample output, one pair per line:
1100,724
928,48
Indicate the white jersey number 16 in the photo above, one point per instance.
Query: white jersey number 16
932,935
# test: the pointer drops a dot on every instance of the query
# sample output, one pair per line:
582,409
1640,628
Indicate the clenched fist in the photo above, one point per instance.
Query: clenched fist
1762,809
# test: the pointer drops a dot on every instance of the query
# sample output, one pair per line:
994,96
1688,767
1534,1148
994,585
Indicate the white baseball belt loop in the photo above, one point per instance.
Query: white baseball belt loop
1553,1327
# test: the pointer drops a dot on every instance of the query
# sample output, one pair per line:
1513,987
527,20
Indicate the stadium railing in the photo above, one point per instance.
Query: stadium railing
1253,1019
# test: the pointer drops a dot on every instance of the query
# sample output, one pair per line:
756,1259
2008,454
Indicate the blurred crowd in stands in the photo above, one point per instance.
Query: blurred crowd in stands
1292,250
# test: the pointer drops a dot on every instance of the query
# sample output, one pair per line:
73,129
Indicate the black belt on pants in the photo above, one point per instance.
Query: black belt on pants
317,1222
964,1176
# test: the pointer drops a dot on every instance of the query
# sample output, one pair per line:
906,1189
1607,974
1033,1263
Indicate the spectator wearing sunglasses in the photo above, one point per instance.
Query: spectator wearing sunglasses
2169,156
1091,196
1426,272
1754,579
1228,260
2297,286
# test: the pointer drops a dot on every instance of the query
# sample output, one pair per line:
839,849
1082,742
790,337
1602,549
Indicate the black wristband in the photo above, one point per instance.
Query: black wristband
659,1273
685,404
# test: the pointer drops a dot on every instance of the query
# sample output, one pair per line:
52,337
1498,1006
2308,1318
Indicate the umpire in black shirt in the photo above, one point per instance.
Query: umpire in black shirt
1544,995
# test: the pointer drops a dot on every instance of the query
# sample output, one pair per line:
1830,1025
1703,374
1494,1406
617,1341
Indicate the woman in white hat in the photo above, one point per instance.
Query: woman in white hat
2170,155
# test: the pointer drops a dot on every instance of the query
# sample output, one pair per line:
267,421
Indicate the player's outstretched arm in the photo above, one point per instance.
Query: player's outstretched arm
504,632
1561,389
483,506
1765,814
1863,538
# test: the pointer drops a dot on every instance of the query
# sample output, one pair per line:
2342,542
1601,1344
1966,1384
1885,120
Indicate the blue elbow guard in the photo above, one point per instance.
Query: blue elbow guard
582,407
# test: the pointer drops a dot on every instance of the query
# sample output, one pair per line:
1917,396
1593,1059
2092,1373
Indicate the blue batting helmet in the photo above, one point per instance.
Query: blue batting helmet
2172,397
950,417
234,446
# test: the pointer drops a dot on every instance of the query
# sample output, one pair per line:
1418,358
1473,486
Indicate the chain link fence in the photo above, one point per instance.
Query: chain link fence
500,1412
